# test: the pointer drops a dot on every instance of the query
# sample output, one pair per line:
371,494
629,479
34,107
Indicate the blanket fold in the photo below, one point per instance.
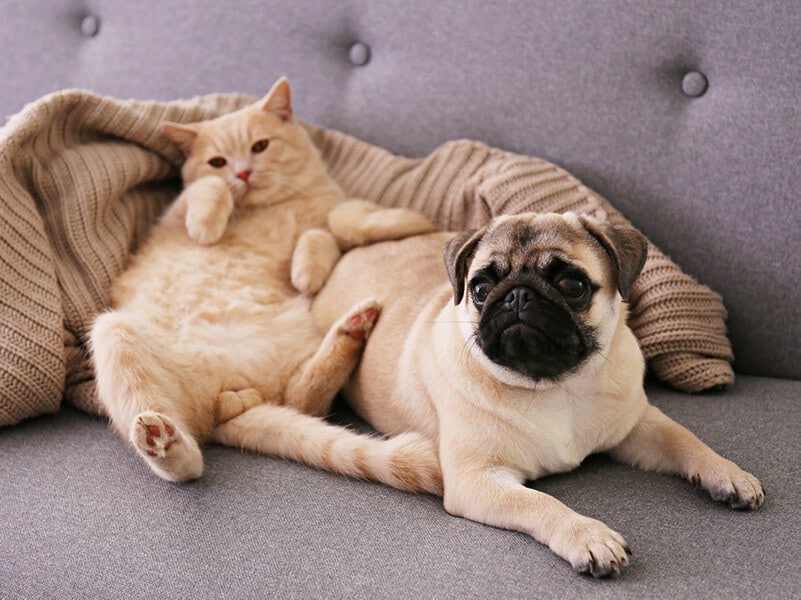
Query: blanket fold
83,178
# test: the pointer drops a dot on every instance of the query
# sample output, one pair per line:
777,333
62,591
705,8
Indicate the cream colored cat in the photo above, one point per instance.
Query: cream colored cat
211,317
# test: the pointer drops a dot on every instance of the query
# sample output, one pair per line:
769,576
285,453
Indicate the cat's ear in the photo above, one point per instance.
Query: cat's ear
182,136
278,100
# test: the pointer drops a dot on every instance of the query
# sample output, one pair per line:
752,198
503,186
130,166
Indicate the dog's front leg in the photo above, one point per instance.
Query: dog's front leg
659,443
498,497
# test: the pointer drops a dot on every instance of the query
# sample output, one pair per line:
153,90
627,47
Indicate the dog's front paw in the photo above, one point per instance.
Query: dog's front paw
592,547
728,483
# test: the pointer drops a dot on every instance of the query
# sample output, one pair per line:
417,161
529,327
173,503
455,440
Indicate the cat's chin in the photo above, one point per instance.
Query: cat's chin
243,193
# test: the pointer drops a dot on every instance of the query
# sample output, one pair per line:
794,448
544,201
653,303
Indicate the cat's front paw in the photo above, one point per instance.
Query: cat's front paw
359,222
315,255
209,206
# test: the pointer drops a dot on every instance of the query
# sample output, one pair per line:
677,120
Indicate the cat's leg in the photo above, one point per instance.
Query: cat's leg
312,387
168,451
137,390
359,222
316,253
209,204
237,397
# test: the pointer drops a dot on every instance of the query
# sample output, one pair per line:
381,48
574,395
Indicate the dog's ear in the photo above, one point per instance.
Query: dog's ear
457,252
626,247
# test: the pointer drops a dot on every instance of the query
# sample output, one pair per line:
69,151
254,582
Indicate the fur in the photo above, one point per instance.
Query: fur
500,419
211,317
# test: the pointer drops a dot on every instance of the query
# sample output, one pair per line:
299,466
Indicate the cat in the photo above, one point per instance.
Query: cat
209,336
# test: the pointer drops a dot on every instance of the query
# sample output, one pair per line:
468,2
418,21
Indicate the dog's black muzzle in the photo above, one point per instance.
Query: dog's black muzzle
529,328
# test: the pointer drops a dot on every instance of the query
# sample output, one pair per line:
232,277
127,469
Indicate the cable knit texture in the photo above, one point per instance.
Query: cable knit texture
84,177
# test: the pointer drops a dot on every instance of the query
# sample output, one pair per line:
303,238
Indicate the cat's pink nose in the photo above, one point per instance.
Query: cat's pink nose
244,175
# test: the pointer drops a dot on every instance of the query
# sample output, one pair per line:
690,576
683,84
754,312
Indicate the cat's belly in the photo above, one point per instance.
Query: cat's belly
252,330
246,337
230,309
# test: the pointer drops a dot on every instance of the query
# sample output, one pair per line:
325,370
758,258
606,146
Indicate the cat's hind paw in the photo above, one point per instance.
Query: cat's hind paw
170,453
232,403
360,320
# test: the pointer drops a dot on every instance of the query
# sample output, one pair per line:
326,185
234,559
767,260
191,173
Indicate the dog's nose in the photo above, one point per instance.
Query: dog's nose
519,298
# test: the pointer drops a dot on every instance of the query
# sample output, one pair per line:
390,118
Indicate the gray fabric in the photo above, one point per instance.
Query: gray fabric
593,86
597,87
82,517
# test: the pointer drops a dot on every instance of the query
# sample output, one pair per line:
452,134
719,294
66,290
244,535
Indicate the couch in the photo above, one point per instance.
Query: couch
685,116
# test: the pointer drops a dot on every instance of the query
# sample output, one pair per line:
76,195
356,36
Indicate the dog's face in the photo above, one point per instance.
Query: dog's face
539,294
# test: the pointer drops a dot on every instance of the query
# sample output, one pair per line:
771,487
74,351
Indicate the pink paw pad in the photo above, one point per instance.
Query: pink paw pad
360,325
155,436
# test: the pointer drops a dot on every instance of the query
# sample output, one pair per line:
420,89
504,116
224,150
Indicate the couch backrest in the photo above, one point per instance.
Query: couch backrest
685,115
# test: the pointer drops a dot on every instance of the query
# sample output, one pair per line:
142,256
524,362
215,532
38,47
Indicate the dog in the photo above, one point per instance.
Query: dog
516,359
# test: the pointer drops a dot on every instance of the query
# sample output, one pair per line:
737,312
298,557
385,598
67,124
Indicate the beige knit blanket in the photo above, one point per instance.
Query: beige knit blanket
83,178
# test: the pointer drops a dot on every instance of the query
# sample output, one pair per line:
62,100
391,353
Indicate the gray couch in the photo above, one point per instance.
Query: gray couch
685,115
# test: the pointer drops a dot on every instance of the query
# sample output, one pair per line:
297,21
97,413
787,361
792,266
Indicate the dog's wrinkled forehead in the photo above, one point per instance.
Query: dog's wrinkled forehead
533,241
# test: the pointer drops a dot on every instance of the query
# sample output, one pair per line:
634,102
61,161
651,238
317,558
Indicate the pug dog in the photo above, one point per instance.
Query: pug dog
516,359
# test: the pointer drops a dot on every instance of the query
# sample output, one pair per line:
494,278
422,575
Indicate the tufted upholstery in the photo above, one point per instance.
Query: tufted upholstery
652,104
685,115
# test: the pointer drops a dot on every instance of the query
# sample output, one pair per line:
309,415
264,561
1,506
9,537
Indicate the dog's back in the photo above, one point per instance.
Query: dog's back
406,277
401,275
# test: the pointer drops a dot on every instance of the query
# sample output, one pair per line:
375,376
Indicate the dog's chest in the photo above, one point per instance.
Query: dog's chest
555,432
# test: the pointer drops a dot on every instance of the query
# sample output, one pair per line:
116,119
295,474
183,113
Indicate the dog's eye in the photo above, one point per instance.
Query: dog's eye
480,290
218,162
259,146
570,288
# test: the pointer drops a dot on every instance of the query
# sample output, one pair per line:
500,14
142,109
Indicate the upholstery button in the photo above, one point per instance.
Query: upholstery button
90,26
694,84
359,54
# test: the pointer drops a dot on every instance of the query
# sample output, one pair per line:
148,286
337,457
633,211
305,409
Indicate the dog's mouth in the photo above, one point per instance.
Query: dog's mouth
540,339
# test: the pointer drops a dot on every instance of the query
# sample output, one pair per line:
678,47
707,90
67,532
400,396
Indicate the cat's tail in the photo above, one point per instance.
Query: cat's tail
408,461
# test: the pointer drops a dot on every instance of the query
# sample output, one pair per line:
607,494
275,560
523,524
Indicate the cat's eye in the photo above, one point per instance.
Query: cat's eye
218,162
260,146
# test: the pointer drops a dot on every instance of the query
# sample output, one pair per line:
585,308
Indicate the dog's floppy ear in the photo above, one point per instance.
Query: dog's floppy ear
456,254
625,245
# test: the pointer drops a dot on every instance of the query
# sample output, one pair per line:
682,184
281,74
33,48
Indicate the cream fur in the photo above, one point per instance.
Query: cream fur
423,372
211,317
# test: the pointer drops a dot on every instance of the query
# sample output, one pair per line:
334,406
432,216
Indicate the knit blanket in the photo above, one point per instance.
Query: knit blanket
84,177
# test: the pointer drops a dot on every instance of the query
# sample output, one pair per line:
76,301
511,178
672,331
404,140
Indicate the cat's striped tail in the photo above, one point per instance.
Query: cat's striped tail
408,461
